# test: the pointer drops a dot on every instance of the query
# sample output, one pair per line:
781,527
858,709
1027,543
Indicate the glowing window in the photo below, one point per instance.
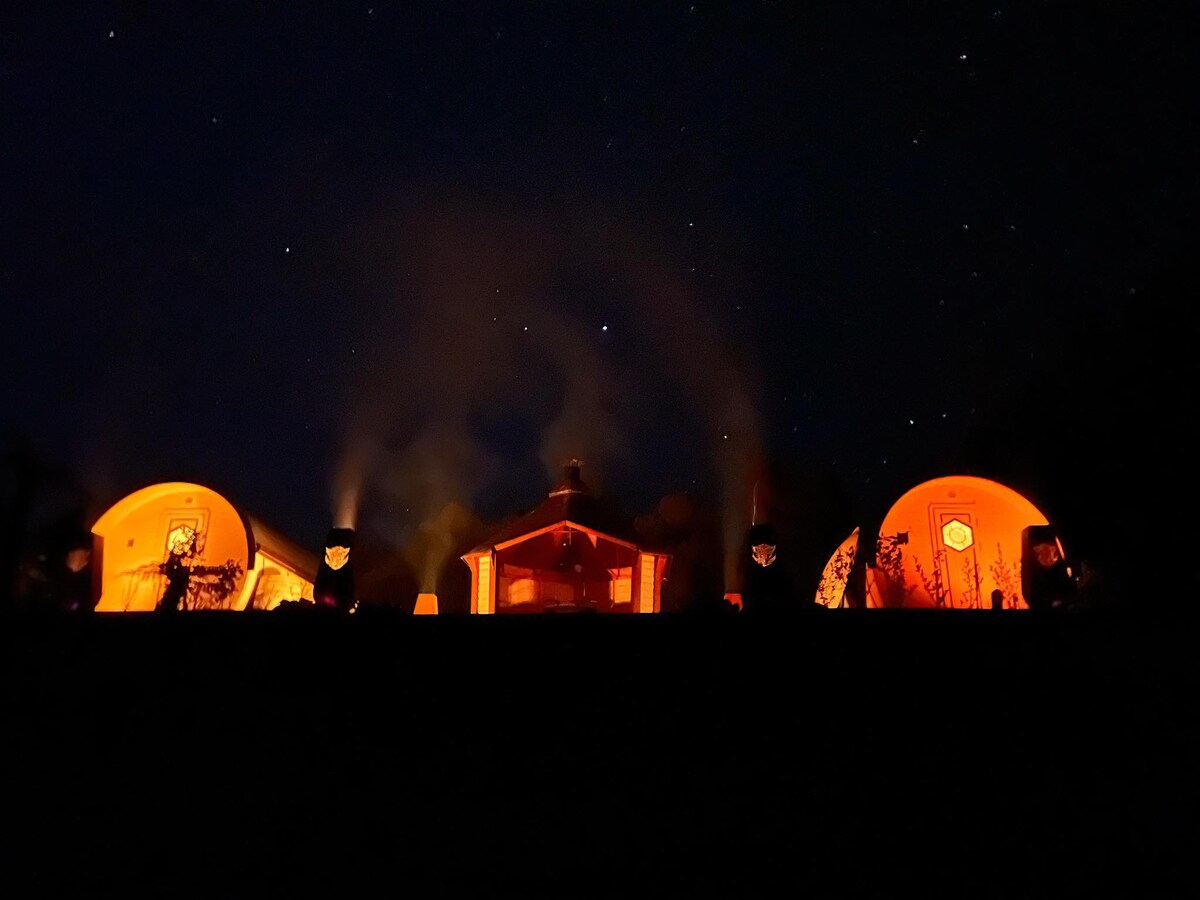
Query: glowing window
957,535
523,590
620,589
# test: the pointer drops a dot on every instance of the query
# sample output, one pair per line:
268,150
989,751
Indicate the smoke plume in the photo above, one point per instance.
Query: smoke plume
490,325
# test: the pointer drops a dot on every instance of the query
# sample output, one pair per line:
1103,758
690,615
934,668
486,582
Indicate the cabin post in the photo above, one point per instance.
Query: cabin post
645,583
483,584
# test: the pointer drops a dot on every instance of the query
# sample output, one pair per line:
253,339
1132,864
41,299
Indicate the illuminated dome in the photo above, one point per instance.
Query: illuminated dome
953,542
230,561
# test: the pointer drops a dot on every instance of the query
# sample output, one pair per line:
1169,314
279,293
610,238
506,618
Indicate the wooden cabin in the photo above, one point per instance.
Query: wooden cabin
570,554
229,560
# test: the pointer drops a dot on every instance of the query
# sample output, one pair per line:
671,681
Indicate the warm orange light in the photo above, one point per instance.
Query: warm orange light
181,540
764,554
949,543
735,600
647,584
427,605
620,590
522,592
565,566
78,558
134,538
336,557
484,593
831,592
957,535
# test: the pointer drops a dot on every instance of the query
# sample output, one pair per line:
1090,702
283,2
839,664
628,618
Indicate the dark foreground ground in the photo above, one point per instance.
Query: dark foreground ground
847,753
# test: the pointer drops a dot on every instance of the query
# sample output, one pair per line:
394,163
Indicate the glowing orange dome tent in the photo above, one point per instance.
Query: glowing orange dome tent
189,539
566,555
961,543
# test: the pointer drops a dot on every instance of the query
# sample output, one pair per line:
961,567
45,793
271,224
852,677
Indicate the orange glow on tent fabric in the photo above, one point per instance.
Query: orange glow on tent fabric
949,543
831,592
133,539
736,601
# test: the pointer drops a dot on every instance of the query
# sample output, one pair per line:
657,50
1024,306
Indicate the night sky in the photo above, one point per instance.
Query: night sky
239,242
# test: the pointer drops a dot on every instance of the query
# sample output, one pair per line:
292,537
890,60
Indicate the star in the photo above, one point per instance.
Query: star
962,56
604,328
287,249
112,34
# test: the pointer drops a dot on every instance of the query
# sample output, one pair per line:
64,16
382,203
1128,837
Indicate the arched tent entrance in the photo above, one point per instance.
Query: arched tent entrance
954,542
232,561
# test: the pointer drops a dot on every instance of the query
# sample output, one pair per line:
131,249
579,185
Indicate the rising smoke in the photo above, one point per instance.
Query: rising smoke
493,316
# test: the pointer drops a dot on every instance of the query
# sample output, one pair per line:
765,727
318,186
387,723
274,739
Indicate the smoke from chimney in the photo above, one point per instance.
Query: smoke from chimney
519,320
349,481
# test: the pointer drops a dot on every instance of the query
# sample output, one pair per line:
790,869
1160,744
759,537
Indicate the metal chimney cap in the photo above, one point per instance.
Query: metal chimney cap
572,483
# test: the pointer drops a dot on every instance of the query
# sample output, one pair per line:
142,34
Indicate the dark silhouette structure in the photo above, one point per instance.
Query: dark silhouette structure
334,586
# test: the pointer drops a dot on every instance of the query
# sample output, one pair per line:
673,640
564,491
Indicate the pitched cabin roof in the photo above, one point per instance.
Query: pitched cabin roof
571,500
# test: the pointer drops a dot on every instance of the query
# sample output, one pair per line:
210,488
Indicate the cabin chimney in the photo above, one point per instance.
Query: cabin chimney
573,468
572,482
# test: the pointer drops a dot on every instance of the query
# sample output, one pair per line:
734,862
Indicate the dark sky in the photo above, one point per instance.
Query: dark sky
235,237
